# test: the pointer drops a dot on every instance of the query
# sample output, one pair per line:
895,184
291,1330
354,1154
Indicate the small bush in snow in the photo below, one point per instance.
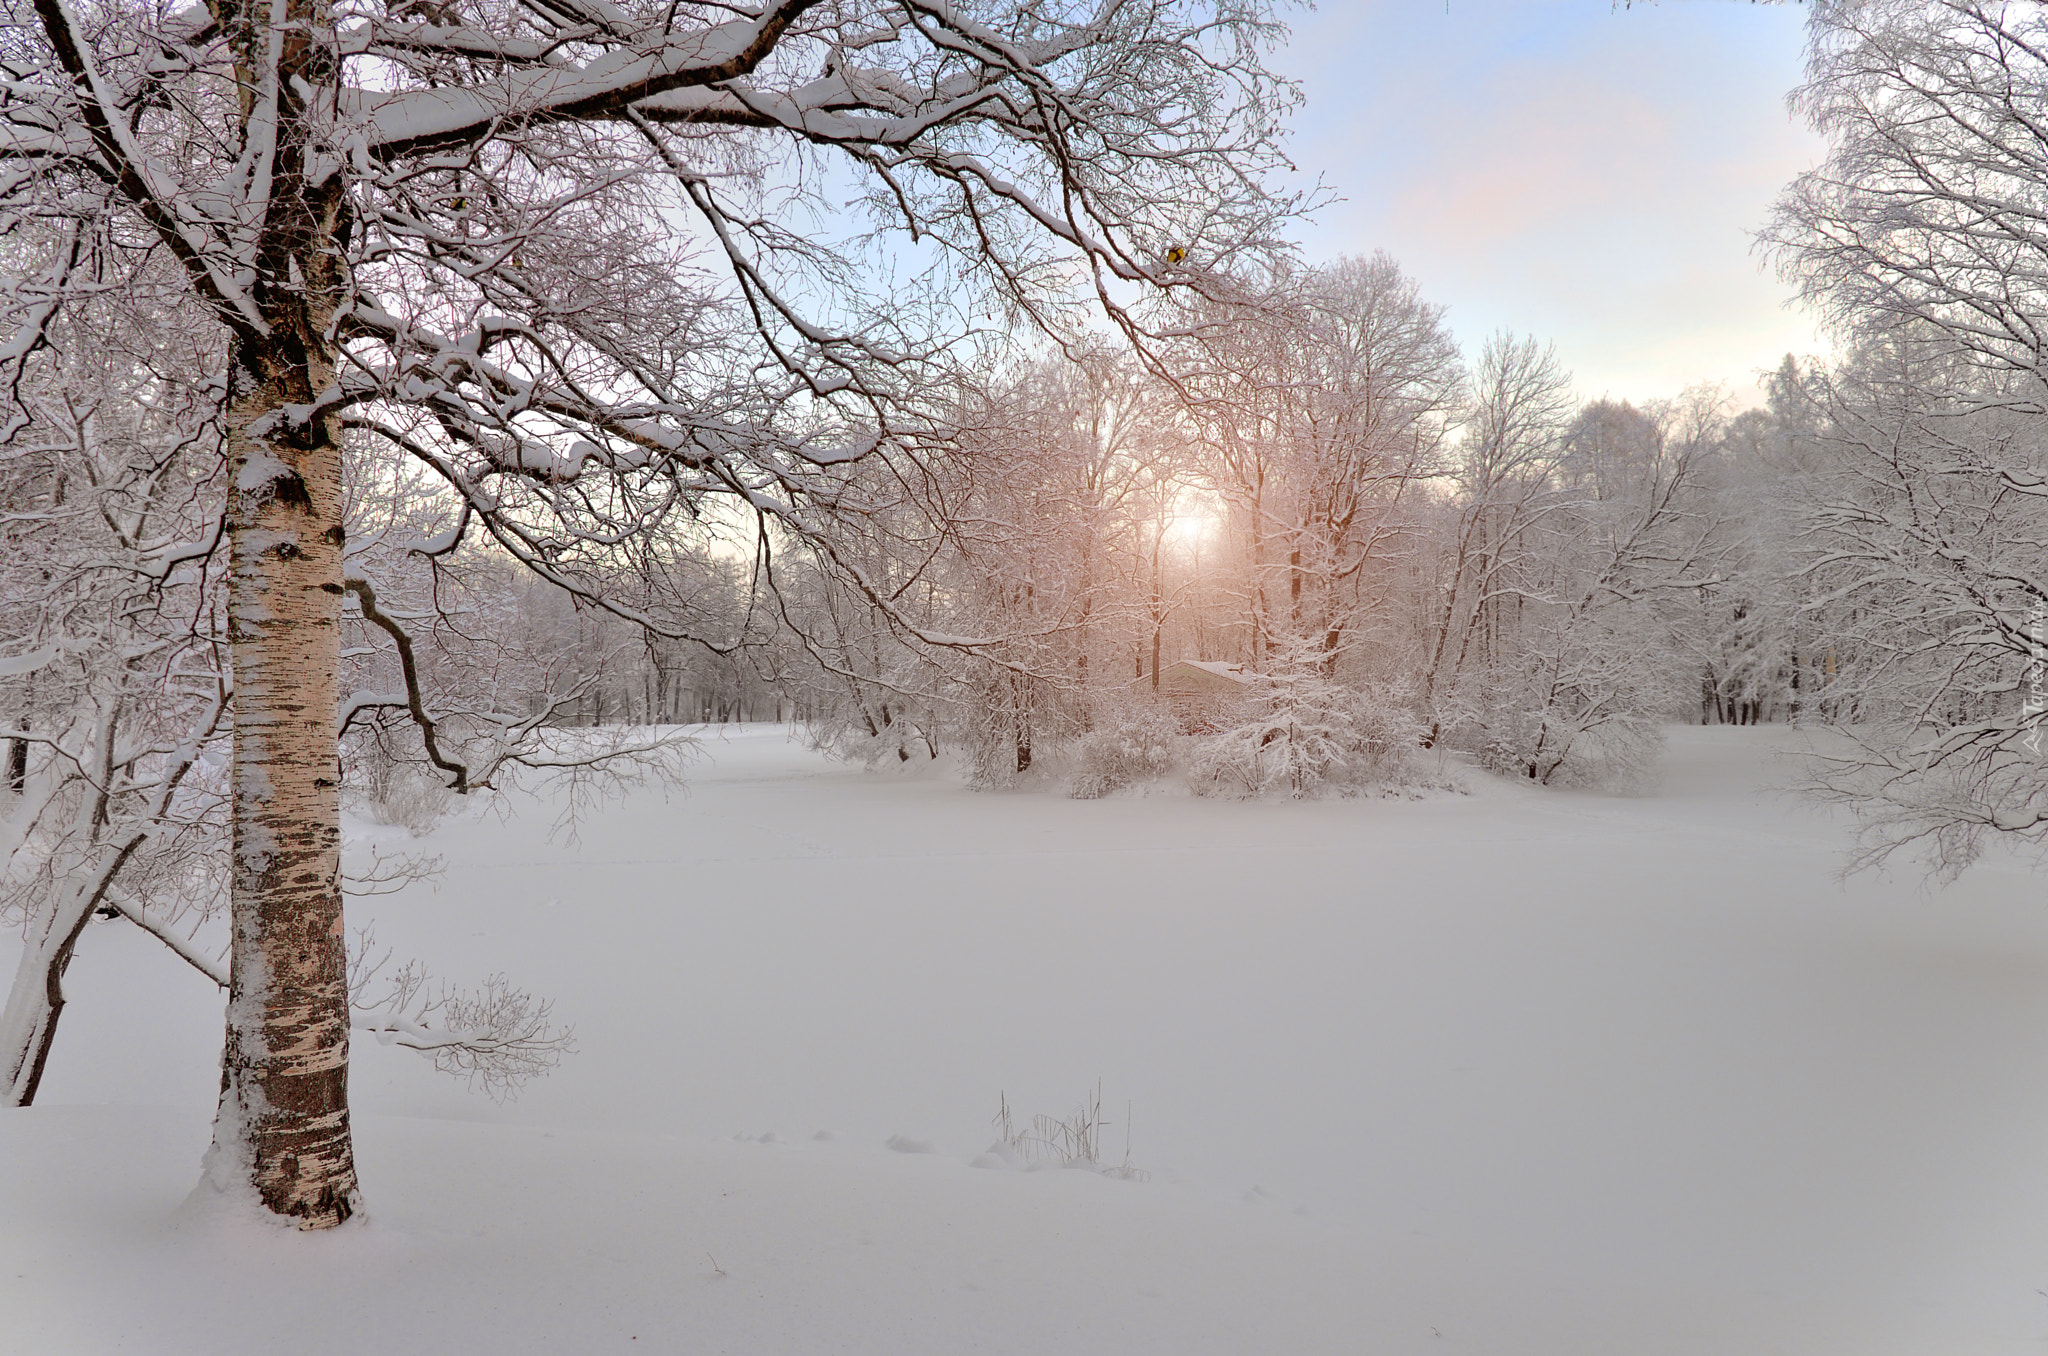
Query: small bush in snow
1053,1142
396,791
1616,751
1134,745
876,734
1305,732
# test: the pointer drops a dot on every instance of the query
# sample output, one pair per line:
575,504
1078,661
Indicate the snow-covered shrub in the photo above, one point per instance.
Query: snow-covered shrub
1074,1141
1616,750
414,798
388,787
1129,746
1014,729
993,755
876,733
1304,732
1582,710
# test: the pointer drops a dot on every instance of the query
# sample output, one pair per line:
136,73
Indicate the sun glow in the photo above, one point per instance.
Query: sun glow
1195,523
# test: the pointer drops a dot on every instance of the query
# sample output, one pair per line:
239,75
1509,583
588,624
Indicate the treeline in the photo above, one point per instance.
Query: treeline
1322,490
1293,470
1330,493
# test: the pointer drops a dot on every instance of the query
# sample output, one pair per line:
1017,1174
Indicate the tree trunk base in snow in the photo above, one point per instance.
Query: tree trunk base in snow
305,1171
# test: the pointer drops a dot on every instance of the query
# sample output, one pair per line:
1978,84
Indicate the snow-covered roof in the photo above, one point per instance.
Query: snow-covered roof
1189,678
1234,672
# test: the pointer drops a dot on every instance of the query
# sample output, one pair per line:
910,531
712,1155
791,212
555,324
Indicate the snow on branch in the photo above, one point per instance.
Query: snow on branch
366,596
496,1035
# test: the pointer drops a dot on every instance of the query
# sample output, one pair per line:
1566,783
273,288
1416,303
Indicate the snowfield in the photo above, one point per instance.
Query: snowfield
1518,1072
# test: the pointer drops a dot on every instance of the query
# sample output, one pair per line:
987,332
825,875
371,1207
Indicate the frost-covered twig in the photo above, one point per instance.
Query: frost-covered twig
497,1036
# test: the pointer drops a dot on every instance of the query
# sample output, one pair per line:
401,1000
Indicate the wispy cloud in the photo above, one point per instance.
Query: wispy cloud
1563,169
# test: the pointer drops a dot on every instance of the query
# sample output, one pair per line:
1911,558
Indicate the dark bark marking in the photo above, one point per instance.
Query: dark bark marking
290,489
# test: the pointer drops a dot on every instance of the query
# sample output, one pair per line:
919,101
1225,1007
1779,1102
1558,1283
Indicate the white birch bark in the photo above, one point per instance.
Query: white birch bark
283,1124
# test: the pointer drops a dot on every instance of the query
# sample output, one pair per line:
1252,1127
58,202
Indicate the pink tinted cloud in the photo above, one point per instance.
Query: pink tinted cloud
1545,159
1601,190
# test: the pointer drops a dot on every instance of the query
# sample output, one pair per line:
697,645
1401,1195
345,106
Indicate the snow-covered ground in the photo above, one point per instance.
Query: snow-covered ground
1519,1072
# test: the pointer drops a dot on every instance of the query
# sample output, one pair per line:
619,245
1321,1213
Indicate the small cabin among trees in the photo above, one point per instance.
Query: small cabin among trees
1201,691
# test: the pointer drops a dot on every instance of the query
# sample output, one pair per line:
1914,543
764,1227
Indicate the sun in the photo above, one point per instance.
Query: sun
1194,523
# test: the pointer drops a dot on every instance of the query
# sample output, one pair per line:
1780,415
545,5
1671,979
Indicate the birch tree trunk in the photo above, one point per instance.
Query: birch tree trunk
283,1121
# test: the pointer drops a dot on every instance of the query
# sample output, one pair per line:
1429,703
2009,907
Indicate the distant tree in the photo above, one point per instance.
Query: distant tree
1034,529
1323,413
1585,674
1503,486
1045,488
1745,632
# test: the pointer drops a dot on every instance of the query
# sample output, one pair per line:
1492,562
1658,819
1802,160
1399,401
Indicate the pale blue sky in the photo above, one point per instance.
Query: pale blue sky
1588,174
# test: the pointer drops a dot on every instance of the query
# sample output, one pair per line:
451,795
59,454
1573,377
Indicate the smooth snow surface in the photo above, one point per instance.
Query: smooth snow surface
1520,1072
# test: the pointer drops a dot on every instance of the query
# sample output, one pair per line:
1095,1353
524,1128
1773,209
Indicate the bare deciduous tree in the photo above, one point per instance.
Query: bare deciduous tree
1921,236
1502,487
1323,418
557,252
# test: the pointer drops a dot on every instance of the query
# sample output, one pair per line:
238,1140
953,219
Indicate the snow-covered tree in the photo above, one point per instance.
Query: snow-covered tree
1501,488
1324,413
1034,527
1928,570
1921,236
1746,633
112,639
1299,731
1586,672
560,252
1057,496
110,667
